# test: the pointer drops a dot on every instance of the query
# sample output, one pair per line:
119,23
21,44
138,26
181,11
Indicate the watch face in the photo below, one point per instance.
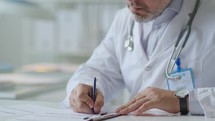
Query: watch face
182,93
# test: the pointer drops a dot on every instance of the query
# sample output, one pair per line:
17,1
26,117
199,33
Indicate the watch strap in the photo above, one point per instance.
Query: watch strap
183,105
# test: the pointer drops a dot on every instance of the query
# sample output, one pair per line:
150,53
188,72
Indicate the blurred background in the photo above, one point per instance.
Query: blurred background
42,42
33,31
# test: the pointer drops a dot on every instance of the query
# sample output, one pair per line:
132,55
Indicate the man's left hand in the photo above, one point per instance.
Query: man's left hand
151,98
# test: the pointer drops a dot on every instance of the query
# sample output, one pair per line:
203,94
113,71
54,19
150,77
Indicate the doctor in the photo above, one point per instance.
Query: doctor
141,67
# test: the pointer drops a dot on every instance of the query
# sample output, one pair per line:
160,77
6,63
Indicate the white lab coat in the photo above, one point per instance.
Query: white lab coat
116,68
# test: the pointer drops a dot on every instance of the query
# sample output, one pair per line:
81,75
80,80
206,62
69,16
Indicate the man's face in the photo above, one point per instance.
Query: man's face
146,10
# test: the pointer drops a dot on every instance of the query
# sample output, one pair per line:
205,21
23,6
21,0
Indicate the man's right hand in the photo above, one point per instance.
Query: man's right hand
81,101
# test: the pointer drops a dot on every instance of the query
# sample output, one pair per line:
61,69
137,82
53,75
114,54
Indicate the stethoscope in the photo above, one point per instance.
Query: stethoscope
184,34
129,43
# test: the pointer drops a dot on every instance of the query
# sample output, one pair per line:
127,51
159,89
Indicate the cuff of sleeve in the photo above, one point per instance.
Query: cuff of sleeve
207,101
194,104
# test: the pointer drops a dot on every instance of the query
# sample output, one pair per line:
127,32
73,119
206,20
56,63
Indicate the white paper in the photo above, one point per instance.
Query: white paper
57,115
7,112
19,110
39,113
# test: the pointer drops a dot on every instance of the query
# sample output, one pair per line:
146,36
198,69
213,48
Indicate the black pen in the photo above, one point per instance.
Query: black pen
104,117
94,94
85,118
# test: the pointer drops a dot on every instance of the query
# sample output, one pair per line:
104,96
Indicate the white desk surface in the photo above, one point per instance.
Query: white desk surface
130,118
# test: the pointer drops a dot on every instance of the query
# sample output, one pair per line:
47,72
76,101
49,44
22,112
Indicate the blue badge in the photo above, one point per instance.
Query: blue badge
185,82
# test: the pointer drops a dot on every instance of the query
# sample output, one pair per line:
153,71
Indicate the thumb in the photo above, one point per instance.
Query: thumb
99,102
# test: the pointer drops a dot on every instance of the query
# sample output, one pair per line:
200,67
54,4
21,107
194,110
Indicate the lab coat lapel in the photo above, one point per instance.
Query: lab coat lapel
173,29
138,48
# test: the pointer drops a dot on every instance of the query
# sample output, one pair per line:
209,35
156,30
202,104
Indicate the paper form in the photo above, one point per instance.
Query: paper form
60,115
7,111
40,113
21,110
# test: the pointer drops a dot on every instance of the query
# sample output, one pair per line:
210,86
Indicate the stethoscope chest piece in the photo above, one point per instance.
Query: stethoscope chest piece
129,44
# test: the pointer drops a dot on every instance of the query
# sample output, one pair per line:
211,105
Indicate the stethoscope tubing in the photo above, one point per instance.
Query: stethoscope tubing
184,35
186,31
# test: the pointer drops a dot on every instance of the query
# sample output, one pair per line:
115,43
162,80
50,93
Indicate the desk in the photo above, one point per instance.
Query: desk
52,92
37,87
123,118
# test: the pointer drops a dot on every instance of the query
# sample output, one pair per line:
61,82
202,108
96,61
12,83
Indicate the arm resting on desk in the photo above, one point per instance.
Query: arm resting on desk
202,101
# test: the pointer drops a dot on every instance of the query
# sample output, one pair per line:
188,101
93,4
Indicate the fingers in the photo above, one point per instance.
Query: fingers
81,101
132,106
151,98
81,107
85,98
142,102
144,107
125,106
99,102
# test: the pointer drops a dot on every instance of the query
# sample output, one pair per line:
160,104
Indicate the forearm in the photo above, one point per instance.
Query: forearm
201,102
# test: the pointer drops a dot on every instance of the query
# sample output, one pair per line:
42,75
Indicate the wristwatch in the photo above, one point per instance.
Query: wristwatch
182,94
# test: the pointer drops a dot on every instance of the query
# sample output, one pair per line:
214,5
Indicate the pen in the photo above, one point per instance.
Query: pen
104,117
94,94
85,118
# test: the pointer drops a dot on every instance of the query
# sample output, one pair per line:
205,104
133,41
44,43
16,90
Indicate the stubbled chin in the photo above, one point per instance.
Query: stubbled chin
141,19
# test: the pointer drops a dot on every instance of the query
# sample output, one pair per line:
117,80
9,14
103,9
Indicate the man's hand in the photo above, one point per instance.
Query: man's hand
81,101
151,98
